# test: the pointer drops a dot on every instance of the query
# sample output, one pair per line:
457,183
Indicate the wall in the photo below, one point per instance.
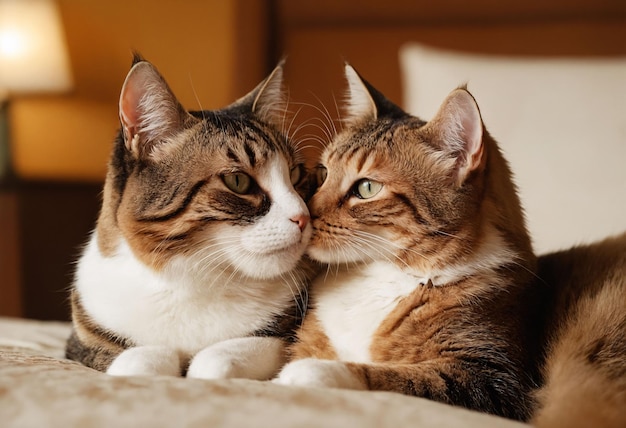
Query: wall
210,52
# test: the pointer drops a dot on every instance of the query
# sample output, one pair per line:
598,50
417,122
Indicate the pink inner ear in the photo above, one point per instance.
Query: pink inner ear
360,103
471,128
129,111
474,130
149,111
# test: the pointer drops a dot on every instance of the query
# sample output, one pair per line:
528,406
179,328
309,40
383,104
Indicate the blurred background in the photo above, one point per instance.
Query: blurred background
58,102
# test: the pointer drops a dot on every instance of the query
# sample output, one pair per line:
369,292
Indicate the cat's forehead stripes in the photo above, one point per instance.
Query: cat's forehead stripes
364,155
250,152
367,140
246,141
245,128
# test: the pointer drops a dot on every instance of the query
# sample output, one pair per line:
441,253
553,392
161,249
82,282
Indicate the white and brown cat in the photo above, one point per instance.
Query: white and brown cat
432,288
195,264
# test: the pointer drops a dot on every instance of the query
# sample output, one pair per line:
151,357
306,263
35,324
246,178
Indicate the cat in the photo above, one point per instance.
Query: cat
585,339
431,286
195,265
433,289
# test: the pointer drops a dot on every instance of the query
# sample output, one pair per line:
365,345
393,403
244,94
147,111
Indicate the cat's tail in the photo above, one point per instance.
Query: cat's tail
586,369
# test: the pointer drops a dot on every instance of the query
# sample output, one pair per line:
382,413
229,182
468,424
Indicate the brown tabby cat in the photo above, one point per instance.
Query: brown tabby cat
195,264
433,290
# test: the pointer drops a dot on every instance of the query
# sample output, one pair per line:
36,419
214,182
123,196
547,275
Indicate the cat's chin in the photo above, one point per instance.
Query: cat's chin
271,264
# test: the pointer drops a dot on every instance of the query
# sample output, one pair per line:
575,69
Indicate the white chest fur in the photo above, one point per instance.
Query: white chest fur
352,304
178,309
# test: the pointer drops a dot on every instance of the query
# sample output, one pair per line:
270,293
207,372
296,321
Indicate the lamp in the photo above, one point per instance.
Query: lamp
33,57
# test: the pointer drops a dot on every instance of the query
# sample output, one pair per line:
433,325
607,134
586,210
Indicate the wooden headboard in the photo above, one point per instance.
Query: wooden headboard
317,36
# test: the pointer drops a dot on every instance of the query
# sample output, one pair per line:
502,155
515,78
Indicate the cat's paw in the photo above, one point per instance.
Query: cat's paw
213,364
146,361
319,373
250,358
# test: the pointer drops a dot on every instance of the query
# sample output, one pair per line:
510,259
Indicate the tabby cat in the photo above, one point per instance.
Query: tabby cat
433,288
195,264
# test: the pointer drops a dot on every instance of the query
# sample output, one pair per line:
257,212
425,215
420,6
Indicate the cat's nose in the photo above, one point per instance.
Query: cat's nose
302,220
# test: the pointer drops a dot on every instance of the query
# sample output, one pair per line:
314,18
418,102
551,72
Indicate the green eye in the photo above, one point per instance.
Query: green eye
366,188
296,174
320,174
238,182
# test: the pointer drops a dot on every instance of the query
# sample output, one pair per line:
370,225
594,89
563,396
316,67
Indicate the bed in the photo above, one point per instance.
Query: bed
38,388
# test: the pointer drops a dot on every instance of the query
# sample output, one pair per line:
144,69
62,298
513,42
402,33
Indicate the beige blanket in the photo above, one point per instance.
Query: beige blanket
38,388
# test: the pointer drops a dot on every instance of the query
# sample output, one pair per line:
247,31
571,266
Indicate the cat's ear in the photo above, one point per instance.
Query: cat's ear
364,102
149,111
360,105
458,130
267,101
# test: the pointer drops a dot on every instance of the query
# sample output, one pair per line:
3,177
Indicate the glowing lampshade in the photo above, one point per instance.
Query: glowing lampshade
33,54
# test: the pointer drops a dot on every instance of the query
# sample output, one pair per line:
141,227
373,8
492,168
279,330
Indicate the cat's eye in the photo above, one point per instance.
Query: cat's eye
366,188
320,174
238,182
296,174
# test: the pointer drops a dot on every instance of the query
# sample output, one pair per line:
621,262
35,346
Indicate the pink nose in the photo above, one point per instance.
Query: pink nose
302,220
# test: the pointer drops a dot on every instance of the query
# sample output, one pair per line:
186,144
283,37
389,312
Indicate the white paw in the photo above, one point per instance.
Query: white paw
319,373
212,364
257,358
146,361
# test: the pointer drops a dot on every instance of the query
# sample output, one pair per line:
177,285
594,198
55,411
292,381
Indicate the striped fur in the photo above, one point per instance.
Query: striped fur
431,285
86,342
185,272
433,289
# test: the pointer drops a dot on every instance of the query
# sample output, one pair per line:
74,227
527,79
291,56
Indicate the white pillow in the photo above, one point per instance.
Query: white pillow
561,123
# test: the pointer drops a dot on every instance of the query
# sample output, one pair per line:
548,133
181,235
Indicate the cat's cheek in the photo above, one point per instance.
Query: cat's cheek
312,372
146,361
269,251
